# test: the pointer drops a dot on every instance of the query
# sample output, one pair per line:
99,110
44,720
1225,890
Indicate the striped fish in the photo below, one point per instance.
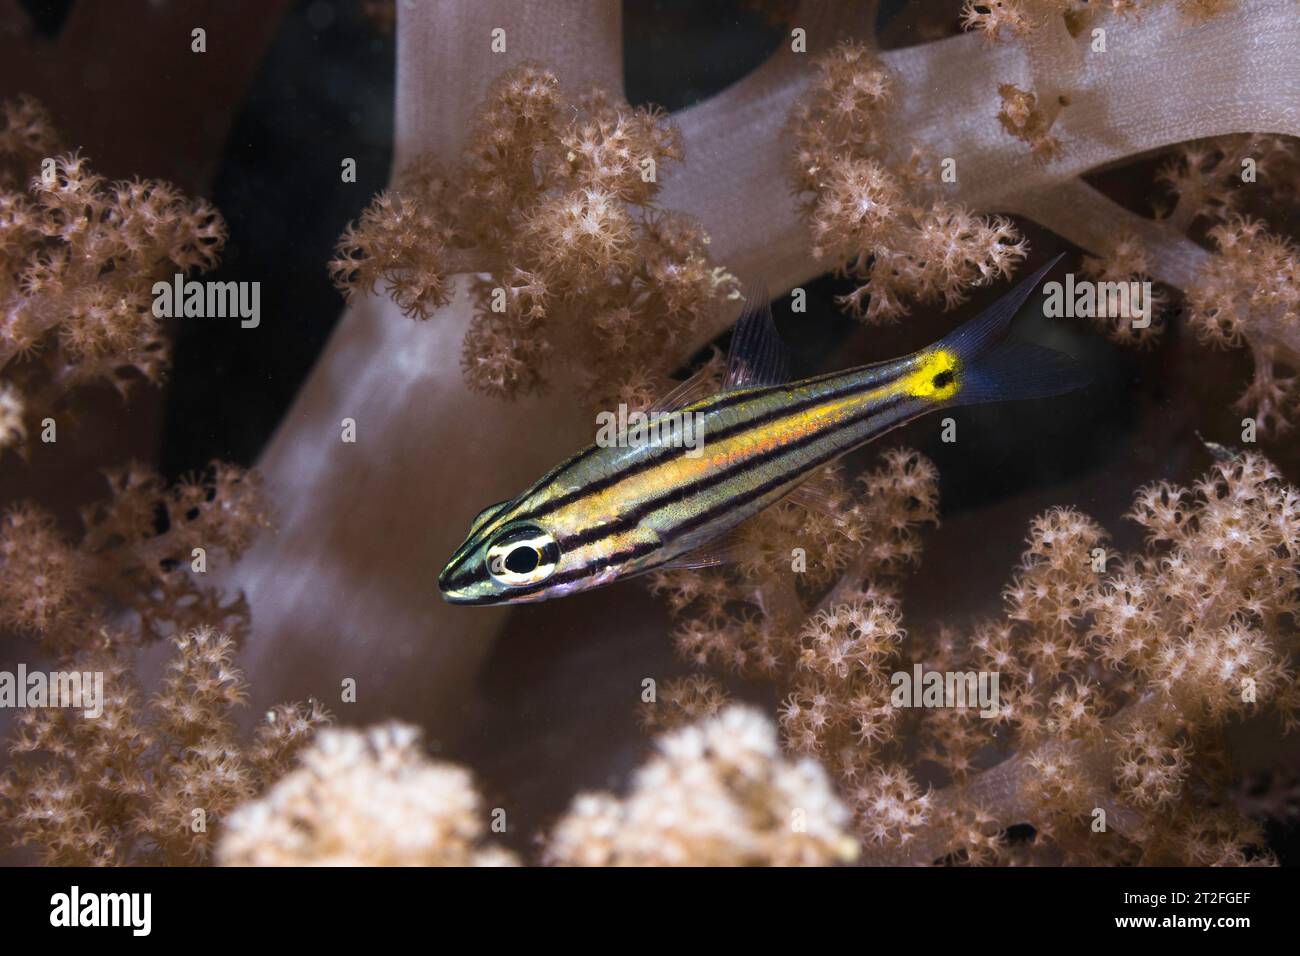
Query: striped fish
612,512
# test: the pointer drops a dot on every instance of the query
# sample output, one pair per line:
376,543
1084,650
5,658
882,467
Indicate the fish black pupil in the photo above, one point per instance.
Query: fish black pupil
943,379
522,560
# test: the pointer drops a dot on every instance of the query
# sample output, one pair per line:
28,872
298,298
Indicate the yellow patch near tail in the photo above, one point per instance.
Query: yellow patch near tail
935,377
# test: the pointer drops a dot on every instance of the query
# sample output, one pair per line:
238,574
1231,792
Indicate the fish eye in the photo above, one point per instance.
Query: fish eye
522,556
522,559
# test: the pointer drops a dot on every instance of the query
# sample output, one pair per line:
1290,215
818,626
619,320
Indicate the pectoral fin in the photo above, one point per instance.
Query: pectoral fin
727,549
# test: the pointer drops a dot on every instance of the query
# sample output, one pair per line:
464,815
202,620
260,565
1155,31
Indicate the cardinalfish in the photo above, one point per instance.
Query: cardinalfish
608,513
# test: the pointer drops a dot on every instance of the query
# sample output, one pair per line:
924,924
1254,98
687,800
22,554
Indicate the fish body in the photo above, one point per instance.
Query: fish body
611,512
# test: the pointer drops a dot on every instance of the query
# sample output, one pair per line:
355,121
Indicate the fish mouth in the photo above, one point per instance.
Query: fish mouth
450,593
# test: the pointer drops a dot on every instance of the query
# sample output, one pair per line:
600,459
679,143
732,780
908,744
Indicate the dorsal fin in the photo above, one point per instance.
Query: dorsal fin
702,384
757,356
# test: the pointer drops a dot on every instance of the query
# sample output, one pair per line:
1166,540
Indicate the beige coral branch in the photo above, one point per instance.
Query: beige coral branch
367,798
717,793
1165,79
347,587
1083,215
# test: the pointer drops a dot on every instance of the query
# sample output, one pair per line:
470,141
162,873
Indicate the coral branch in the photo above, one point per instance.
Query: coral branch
364,799
78,260
1117,674
718,793
1076,211
146,783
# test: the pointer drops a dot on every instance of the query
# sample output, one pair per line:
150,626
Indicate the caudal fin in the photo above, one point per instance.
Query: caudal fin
1020,370
990,369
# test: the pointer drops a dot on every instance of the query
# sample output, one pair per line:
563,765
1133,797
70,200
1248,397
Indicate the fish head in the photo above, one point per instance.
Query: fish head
506,558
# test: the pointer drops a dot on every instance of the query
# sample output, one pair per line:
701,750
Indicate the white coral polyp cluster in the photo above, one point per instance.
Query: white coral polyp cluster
717,793
364,798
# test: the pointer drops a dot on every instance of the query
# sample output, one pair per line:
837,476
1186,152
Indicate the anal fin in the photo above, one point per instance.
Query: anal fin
823,492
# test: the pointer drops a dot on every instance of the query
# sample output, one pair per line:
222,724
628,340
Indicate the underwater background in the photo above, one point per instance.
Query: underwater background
546,702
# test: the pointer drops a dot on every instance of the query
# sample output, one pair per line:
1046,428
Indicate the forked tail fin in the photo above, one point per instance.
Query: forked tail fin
990,369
